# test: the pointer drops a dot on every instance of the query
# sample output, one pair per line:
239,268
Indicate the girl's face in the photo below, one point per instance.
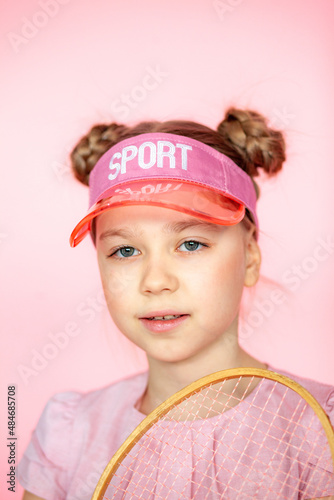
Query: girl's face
158,263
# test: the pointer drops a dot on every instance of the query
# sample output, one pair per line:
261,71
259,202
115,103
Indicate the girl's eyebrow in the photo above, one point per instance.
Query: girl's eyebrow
168,228
179,226
123,232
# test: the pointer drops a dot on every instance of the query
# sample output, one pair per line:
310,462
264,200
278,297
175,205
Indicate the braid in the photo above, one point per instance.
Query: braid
92,146
258,145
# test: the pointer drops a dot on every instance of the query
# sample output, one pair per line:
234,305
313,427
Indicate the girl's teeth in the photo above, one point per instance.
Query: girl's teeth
169,316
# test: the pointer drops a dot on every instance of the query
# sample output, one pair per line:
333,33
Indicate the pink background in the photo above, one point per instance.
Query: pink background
68,65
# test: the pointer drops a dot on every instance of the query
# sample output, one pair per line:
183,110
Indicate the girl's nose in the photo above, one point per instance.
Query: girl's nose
158,276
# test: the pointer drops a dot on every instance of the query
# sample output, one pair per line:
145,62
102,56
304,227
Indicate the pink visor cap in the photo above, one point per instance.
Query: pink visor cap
170,171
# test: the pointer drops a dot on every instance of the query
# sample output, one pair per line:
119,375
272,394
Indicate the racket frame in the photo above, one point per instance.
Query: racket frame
193,388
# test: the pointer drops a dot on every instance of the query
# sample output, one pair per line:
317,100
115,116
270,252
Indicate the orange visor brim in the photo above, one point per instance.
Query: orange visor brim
192,199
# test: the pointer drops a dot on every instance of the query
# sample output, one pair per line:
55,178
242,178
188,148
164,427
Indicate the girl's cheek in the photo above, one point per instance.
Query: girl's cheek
114,281
117,283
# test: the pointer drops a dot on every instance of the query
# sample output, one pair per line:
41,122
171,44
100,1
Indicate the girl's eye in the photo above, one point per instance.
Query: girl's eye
191,245
125,252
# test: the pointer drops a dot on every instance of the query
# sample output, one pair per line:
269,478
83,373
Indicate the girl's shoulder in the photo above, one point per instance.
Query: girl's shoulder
85,413
75,416
82,403
117,393
323,393
68,425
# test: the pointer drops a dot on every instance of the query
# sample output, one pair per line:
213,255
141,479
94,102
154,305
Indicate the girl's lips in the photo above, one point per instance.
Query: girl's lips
163,325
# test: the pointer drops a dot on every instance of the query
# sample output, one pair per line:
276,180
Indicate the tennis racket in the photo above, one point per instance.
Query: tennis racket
243,433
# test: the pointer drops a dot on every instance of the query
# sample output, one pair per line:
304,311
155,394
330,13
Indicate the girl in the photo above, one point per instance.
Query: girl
173,218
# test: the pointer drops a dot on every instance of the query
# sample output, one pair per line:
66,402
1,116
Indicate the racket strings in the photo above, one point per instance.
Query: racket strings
247,478
231,402
171,485
255,456
228,485
288,435
225,444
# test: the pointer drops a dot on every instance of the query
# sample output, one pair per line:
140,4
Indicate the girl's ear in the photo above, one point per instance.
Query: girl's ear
253,259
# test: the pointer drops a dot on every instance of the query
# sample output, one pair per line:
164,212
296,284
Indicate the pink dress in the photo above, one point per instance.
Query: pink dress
77,435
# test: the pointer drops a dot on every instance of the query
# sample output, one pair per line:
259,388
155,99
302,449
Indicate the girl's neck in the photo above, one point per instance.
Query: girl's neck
165,379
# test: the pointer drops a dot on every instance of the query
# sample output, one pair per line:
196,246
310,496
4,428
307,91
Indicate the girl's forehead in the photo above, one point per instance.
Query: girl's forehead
139,218
128,214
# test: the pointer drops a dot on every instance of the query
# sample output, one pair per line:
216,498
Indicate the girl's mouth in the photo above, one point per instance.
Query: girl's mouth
161,324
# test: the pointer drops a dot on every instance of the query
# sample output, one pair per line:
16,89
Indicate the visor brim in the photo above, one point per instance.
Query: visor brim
189,198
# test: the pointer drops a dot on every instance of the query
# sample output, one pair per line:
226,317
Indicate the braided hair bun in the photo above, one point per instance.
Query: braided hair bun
257,145
92,146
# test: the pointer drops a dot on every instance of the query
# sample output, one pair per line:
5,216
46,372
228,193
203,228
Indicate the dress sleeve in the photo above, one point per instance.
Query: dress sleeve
325,480
45,466
329,406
